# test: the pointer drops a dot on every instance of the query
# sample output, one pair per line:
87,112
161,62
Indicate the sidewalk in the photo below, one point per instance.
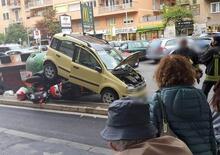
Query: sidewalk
66,106
20,143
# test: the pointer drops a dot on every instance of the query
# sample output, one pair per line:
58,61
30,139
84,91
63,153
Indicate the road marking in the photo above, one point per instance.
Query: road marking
56,111
35,137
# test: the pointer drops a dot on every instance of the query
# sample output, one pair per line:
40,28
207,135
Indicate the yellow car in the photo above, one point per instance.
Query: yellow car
92,63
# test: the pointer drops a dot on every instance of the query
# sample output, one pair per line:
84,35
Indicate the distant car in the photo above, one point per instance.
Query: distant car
19,51
7,47
133,47
159,48
116,44
209,34
202,43
41,48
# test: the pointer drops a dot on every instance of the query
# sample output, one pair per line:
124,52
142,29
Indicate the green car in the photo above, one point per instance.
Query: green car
135,46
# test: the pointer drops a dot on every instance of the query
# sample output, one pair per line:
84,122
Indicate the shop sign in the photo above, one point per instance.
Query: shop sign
184,24
66,24
126,30
87,18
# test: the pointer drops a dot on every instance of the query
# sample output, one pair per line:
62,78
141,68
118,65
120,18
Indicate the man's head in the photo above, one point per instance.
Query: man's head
216,40
128,123
183,43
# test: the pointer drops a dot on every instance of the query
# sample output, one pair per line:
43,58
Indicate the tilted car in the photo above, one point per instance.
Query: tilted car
92,63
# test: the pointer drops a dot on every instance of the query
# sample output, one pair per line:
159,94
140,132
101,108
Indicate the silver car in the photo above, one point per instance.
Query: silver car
159,48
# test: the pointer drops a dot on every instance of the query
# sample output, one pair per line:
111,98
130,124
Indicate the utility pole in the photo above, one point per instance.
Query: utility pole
126,18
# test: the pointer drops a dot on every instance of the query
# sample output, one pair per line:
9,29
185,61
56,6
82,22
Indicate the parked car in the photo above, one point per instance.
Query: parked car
134,46
92,63
116,44
203,43
7,47
158,48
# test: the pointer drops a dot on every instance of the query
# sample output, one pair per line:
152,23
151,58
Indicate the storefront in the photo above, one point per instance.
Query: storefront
121,34
150,31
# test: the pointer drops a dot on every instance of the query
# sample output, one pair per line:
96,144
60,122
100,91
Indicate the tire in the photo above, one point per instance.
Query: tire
109,95
50,71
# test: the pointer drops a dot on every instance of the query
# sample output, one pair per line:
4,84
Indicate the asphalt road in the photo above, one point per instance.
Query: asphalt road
61,126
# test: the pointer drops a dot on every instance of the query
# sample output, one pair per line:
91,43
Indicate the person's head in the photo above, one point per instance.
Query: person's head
128,124
183,43
215,103
175,70
216,40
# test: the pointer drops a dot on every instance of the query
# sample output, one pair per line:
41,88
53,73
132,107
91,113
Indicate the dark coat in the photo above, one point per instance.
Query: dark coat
208,59
188,53
189,117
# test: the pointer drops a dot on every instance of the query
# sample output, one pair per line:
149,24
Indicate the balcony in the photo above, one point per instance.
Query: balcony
15,6
16,21
182,2
38,4
115,8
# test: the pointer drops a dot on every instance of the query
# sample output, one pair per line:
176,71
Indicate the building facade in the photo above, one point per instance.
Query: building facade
114,19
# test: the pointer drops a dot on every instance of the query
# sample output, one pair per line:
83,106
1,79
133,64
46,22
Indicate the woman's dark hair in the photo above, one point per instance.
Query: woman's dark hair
215,103
175,70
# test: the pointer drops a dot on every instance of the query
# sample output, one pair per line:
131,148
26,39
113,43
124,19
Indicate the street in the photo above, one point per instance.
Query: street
28,131
38,133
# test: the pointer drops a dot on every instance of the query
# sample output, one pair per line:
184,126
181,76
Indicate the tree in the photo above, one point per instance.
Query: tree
49,25
2,38
175,14
16,33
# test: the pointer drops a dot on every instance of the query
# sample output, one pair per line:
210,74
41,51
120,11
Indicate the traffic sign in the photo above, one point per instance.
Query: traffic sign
37,34
87,18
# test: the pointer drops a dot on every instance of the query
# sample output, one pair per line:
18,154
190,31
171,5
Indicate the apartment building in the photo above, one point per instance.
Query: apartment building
11,12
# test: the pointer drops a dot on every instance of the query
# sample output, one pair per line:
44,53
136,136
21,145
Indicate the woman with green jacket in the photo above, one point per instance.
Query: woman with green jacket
182,107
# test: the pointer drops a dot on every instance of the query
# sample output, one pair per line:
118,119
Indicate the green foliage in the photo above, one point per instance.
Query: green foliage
175,14
16,32
2,38
50,24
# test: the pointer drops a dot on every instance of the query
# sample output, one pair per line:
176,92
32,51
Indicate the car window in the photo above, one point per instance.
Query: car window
155,43
54,43
135,45
4,49
124,46
87,59
171,42
67,48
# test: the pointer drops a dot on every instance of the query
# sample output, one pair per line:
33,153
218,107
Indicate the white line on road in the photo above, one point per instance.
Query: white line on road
56,111
75,145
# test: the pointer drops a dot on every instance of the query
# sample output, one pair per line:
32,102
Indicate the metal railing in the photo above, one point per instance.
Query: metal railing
112,8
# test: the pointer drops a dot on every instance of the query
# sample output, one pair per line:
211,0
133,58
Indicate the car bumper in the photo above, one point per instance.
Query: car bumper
140,93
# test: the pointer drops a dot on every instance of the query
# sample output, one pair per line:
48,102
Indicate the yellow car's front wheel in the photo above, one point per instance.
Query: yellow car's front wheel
50,71
109,95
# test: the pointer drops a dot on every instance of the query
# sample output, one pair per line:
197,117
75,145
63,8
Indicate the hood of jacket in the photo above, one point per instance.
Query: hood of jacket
186,101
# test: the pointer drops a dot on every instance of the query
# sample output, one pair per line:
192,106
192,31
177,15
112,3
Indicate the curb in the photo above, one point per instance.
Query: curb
50,106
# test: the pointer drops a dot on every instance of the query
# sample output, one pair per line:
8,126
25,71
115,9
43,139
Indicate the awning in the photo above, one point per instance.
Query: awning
150,28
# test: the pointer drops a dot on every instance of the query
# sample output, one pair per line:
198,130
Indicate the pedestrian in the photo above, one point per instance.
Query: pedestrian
215,105
187,112
211,60
129,131
189,53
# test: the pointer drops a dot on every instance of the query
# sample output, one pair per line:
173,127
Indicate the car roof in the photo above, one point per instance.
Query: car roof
85,40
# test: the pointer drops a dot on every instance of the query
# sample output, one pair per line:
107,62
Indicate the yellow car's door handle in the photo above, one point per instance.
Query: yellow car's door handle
58,55
75,67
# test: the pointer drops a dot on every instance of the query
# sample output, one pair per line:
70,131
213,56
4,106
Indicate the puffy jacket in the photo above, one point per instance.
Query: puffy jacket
189,117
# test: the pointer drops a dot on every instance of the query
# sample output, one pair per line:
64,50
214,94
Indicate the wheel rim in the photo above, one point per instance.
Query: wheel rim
49,72
108,98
